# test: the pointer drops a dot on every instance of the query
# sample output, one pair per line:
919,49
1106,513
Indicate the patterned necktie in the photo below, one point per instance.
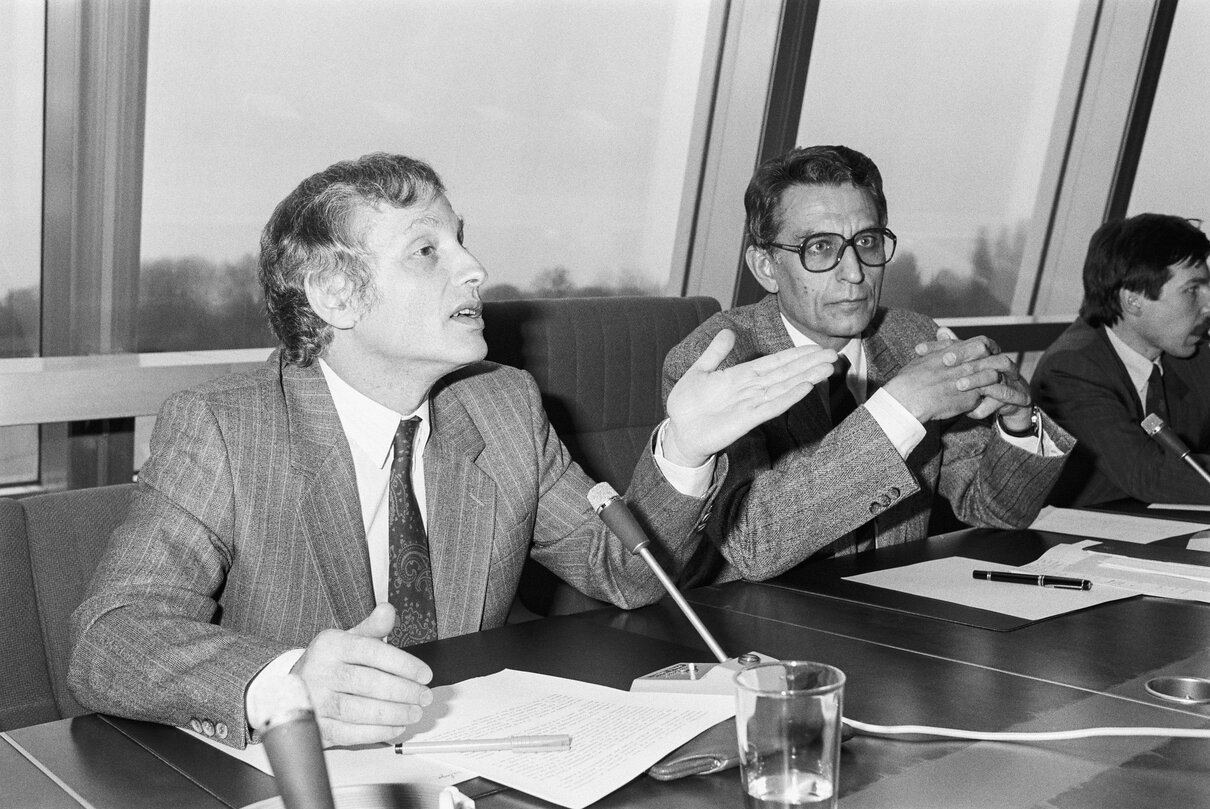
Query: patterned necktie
840,399
410,586
1157,402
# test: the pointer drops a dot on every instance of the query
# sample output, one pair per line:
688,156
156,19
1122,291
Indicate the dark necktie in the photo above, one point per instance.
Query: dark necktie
1157,402
840,399
410,583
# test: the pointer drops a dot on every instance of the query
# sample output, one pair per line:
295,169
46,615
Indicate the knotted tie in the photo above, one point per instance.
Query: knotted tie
1157,402
841,403
410,583
840,399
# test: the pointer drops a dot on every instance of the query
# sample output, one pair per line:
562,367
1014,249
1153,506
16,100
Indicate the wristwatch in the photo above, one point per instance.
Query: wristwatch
1034,428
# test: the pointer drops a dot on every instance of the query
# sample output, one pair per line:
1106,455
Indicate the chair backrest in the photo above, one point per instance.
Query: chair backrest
26,696
598,363
68,533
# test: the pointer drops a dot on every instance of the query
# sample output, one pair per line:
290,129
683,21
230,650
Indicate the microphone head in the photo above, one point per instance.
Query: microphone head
601,495
1153,424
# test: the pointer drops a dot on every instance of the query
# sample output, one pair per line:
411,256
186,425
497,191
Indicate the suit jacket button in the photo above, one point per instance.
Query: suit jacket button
208,727
876,508
220,730
195,725
894,492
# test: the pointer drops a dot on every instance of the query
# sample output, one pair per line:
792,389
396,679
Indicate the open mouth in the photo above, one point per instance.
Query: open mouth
469,313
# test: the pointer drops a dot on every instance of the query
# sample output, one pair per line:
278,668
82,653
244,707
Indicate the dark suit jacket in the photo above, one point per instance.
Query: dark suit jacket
246,538
1082,382
796,485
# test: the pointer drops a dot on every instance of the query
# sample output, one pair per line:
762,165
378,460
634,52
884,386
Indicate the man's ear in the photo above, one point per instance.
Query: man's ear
1130,302
332,297
760,264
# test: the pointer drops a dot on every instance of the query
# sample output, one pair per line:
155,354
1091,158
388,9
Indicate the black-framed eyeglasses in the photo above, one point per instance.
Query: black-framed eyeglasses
821,252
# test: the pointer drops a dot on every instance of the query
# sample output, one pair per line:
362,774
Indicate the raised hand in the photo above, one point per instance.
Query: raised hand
362,689
709,408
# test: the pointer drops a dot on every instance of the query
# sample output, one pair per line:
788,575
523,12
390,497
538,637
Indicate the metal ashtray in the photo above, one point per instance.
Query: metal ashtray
1185,690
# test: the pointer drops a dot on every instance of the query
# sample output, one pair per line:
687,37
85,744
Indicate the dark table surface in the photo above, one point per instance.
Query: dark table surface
1081,669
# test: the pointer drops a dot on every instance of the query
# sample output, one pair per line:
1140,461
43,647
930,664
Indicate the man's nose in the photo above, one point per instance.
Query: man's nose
470,271
850,269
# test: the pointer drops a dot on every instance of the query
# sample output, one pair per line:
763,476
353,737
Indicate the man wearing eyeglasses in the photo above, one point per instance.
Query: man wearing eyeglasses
910,413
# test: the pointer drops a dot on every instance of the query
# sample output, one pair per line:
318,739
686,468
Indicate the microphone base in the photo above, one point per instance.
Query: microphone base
698,678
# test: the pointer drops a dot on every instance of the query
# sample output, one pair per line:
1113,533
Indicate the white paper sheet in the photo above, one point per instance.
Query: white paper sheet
1107,525
1181,506
616,735
950,580
1145,576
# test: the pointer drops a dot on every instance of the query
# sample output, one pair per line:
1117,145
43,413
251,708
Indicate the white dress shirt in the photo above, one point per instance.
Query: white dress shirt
1138,367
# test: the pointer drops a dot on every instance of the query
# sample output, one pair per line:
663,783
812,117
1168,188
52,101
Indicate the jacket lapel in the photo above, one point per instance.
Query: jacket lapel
329,512
1110,359
807,420
461,515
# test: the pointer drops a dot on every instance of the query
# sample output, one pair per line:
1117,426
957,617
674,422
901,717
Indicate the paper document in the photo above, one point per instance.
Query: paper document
1181,506
1145,576
615,735
950,580
1107,525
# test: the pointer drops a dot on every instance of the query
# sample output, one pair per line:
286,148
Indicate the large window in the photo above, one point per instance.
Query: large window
955,102
21,66
1174,166
562,132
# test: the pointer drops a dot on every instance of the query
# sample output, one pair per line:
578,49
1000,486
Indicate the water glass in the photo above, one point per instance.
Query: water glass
788,723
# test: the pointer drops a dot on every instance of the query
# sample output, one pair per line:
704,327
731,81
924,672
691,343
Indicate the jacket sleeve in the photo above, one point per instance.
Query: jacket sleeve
144,640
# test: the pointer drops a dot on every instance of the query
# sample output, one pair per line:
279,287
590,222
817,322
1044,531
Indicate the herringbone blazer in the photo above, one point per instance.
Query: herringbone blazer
796,485
246,538
1082,382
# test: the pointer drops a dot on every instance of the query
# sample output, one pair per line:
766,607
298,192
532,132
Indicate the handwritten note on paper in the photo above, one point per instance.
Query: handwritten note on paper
950,580
616,735
1107,525
1140,576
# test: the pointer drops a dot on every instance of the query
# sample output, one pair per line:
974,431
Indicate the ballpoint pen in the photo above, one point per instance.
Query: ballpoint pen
534,744
1059,582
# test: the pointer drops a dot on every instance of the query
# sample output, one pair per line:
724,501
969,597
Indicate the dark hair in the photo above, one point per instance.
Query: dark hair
1135,254
810,165
313,233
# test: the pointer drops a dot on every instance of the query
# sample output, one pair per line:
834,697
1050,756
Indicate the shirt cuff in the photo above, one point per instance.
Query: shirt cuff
1046,448
267,682
691,481
900,426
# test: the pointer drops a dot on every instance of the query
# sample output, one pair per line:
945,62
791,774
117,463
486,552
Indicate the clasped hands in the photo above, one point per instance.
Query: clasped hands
951,377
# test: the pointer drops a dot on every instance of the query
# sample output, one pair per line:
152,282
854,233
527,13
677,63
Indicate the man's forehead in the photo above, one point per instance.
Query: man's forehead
431,211
808,201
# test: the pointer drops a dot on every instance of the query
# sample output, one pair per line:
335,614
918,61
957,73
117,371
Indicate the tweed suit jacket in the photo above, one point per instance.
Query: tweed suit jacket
246,538
796,486
1082,382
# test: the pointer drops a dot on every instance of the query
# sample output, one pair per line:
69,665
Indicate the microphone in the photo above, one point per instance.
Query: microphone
617,517
1169,440
296,756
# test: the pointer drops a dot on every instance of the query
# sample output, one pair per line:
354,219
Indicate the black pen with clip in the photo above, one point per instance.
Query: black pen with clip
1060,582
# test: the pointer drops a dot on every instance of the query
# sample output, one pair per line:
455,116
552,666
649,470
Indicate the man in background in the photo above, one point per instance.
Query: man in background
1136,349
909,415
375,479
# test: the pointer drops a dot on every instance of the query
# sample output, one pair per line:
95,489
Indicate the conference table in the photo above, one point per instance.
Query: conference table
908,660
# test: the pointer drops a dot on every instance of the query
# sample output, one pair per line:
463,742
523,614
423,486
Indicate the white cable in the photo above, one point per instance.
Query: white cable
1023,736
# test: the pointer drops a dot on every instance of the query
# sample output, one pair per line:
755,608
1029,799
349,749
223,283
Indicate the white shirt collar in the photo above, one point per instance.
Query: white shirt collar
368,424
852,349
1138,367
